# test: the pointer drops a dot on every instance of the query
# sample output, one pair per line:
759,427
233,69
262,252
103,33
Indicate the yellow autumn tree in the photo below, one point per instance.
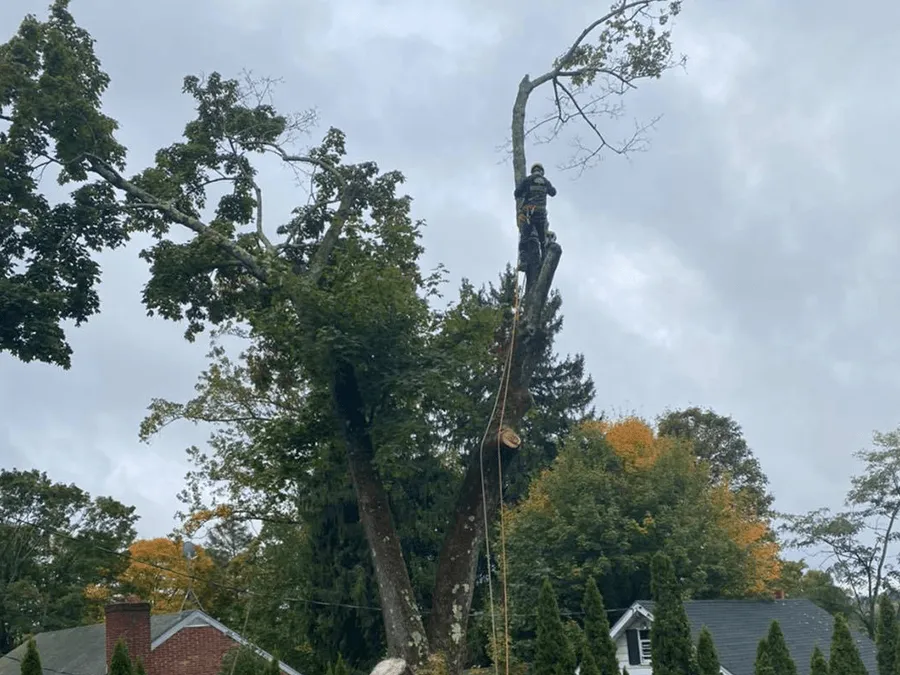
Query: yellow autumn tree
639,447
160,574
617,494
632,438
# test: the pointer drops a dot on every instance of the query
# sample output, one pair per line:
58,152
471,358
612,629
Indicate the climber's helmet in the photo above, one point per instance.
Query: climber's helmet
537,168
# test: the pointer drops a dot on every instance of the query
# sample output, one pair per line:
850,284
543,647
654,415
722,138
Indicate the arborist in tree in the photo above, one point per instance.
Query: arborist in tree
532,217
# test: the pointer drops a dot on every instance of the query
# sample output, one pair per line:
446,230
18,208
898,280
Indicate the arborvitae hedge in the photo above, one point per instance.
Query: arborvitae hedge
782,663
553,653
671,648
707,658
596,631
31,664
886,637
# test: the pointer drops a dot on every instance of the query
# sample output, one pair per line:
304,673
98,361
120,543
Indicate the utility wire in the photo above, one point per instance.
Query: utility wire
253,593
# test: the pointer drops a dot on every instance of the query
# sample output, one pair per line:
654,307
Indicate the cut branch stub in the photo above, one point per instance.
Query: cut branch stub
509,439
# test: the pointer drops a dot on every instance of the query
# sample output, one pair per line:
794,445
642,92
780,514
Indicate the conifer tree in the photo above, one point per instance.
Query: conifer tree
624,670
31,664
139,667
120,664
596,631
845,659
779,655
671,648
763,665
340,666
589,663
553,654
818,665
886,637
707,658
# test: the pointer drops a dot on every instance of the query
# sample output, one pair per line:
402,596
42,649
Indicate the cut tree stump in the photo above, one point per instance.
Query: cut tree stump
509,438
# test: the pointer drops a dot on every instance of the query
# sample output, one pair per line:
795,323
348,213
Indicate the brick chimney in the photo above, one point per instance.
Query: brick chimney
129,620
779,595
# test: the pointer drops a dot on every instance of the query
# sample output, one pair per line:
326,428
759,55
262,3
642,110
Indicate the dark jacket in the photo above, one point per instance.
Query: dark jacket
534,190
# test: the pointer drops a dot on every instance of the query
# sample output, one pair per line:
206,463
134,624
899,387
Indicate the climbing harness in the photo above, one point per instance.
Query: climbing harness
500,400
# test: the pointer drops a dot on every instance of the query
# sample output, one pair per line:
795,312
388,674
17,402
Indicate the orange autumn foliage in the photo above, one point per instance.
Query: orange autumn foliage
160,574
753,536
639,448
200,518
632,438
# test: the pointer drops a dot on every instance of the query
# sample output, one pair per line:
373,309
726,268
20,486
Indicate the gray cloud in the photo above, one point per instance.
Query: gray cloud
744,262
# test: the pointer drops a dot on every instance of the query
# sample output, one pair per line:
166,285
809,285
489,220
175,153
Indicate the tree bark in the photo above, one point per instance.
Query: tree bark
458,562
404,629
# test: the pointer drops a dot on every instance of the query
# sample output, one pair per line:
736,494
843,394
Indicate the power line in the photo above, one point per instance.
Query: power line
258,594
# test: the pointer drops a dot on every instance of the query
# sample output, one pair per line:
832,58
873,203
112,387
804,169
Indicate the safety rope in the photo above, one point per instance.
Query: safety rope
503,568
500,398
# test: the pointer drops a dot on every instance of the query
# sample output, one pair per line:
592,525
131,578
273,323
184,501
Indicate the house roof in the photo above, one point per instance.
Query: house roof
78,651
82,651
737,626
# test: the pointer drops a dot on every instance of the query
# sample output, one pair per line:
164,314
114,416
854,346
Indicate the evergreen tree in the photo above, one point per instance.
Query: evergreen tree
139,667
818,665
340,667
763,665
120,664
553,654
624,670
31,664
886,637
589,663
779,655
671,648
845,659
707,658
596,631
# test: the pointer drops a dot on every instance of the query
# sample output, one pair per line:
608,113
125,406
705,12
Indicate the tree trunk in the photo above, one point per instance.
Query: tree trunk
404,629
457,565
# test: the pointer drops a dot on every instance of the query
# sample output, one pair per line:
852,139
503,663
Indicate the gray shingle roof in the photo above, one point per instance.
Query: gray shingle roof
78,651
737,626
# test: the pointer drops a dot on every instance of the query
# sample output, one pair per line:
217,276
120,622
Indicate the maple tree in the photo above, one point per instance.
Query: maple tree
159,573
615,496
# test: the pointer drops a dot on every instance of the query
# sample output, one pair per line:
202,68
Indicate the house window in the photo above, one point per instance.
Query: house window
638,646
644,637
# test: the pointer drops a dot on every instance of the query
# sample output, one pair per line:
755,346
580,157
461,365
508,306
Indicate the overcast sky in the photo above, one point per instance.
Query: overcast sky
746,262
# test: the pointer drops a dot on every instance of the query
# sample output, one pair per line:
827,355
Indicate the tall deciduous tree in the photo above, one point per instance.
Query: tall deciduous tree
845,658
861,541
798,581
707,658
671,648
719,440
336,309
553,653
779,654
596,630
159,573
887,637
58,543
613,498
